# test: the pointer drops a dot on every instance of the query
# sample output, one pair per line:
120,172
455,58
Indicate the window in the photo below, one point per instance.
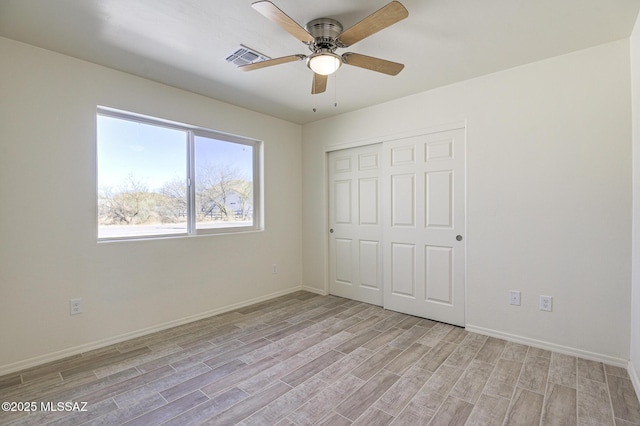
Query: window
159,178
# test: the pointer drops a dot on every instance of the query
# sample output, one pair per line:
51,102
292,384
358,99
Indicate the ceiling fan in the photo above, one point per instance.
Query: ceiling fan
324,35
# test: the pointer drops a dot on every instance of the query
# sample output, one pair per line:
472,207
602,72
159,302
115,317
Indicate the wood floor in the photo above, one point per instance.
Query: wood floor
305,359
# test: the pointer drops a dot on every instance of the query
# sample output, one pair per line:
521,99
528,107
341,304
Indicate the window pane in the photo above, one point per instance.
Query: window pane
141,179
224,184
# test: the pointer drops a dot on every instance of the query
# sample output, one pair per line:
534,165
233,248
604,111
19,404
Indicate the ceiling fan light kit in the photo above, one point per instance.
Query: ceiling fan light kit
324,63
324,36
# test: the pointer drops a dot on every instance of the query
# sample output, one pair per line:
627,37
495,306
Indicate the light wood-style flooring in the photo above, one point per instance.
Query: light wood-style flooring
306,359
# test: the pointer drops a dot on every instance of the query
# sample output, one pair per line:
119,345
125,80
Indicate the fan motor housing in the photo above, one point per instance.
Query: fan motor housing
325,31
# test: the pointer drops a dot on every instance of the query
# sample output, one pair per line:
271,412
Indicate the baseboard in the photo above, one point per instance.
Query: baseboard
314,290
54,356
607,359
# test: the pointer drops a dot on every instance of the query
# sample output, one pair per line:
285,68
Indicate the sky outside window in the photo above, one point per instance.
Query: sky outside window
152,155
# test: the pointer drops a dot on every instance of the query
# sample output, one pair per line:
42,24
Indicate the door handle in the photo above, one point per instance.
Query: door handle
331,230
459,237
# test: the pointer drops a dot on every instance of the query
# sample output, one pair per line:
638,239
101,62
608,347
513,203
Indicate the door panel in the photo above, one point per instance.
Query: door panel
427,280
344,261
439,274
342,201
355,248
403,155
369,201
403,269
402,200
439,199
369,255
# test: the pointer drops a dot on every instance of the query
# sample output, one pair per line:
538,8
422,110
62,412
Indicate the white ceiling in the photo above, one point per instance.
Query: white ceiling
184,43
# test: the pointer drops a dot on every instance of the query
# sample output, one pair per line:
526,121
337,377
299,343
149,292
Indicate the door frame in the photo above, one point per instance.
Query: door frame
457,125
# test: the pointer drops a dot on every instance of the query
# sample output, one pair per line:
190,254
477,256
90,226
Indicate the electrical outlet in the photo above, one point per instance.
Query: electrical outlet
75,306
546,303
514,297
274,268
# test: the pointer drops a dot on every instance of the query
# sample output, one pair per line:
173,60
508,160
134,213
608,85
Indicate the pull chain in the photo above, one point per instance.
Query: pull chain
313,95
335,91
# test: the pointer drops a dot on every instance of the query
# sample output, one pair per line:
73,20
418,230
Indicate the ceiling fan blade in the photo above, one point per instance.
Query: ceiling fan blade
379,20
371,63
319,84
271,62
274,14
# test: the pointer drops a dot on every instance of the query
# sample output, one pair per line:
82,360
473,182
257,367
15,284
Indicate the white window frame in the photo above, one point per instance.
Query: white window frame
192,132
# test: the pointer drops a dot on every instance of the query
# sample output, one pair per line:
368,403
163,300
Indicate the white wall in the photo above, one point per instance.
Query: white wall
549,204
48,248
634,369
548,195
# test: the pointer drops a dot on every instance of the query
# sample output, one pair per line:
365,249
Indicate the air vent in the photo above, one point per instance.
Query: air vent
245,55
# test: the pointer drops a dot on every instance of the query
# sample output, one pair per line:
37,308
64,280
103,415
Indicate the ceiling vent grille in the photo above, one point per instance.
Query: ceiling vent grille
245,55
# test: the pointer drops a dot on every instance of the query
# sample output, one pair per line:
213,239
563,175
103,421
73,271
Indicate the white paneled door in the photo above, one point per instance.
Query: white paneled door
397,225
424,226
355,248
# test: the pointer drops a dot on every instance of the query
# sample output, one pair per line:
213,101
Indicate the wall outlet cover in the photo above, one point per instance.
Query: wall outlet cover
75,306
546,303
